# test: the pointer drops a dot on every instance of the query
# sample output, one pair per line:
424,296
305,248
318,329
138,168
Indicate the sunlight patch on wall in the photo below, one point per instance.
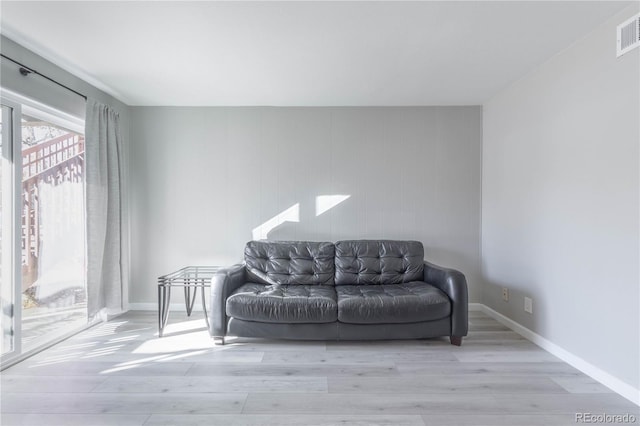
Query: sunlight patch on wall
292,214
327,202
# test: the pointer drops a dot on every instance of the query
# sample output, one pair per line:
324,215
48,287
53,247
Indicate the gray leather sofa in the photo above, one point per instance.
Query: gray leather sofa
350,290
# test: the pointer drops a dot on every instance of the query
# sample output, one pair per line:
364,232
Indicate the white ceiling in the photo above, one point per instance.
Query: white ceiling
301,53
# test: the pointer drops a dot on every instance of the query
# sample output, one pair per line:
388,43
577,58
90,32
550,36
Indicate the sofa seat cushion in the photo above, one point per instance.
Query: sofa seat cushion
391,303
284,304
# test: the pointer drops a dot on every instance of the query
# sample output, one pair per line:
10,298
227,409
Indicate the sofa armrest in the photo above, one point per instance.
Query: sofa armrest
223,283
454,284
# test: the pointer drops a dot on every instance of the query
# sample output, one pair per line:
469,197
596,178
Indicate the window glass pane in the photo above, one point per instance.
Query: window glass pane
53,231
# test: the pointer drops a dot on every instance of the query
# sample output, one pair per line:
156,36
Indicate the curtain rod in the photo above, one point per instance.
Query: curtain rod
25,70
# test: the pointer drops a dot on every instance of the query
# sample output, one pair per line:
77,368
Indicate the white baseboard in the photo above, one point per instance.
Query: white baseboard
476,307
197,307
613,383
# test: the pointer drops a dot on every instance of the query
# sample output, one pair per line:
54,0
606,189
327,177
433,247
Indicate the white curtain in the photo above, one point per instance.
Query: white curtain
61,251
104,218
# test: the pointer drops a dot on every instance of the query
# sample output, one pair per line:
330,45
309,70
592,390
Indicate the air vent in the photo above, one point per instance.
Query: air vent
628,35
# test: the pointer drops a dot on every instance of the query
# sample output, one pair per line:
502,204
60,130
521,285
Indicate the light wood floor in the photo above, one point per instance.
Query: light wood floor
121,373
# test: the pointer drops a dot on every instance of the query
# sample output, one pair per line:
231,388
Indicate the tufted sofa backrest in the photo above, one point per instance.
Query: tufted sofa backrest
378,262
290,262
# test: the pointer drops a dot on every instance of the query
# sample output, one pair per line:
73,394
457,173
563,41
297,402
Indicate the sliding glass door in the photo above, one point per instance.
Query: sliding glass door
43,242
8,267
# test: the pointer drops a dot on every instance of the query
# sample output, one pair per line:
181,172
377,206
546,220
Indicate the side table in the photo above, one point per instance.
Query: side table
191,278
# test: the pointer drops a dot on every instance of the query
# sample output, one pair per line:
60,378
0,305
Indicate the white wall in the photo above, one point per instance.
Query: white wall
560,215
204,178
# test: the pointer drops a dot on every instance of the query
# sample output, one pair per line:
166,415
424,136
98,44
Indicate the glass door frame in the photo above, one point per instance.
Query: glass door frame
12,222
12,187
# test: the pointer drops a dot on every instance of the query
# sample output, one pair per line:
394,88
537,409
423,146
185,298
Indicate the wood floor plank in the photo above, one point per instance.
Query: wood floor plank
535,355
267,345
288,370
581,384
499,420
472,349
445,384
72,384
389,345
284,420
357,357
489,326
99,368
477,320
199,384
425,346
488,368
66,419
135,355
284,403
114,403
492,336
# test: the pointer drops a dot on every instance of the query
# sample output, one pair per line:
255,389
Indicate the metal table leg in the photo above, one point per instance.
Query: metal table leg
204,306
189,296
160,305
164,300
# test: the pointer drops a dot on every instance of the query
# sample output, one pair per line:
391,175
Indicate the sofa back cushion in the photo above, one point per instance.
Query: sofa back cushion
378,262
290,262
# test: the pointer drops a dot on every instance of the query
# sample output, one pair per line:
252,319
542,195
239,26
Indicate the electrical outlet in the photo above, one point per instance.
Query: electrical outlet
505,294
528,305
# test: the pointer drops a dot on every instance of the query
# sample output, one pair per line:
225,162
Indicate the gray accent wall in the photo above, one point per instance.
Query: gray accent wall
560,214
203,180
